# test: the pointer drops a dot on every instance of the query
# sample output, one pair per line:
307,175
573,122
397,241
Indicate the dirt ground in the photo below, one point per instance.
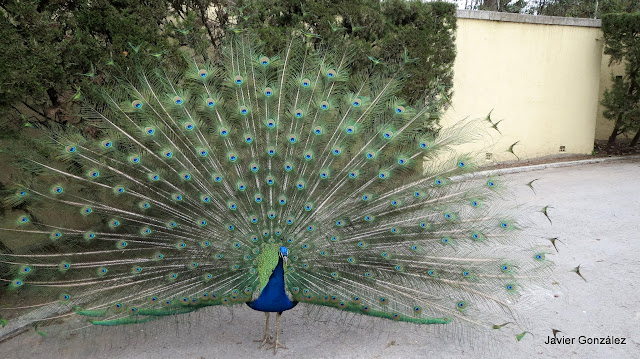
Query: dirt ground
596,217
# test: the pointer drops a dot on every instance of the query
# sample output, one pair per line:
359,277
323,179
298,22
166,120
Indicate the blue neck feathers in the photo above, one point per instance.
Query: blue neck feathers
273,297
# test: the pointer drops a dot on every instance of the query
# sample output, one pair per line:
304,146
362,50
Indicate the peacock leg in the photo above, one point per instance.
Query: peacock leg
267,338
276,344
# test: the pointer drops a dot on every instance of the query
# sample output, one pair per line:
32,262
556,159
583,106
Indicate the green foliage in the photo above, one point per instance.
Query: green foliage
568,8
617,102
50,49
615,6
384,33
53,49
622,100
513,6
427,31
621,33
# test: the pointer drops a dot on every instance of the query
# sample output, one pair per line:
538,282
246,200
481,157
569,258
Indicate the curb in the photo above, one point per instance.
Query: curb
503,171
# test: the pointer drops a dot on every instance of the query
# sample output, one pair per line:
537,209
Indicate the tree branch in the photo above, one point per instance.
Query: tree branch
41,114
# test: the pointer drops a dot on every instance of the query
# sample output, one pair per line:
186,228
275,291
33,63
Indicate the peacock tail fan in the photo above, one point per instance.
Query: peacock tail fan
191,179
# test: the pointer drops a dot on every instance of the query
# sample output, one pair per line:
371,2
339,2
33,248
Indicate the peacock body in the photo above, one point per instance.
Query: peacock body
266,180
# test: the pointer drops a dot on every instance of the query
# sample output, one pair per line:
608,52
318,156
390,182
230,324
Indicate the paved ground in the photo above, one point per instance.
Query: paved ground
596,215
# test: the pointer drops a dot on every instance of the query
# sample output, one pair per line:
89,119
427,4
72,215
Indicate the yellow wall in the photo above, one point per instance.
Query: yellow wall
541,80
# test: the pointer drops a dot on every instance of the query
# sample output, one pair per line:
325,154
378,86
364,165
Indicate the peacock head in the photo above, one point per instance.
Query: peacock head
284,252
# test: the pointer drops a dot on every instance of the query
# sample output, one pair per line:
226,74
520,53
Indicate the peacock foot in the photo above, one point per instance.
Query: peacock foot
266,339
275,345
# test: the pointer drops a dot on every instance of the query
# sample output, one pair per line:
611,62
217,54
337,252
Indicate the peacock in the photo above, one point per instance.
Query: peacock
271,181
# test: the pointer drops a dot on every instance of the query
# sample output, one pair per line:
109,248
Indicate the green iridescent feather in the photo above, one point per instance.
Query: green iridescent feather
183,184
267,262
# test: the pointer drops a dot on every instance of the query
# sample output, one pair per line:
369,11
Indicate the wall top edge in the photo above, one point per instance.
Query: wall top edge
527,19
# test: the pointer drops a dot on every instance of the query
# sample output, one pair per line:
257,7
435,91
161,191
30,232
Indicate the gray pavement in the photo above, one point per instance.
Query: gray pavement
596,216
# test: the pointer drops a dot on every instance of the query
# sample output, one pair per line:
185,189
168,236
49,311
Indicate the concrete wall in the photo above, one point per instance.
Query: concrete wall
539,74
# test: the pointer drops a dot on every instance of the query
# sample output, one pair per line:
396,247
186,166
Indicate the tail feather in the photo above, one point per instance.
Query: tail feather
191,172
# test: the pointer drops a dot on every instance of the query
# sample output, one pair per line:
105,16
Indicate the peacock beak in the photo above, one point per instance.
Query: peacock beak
285,260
